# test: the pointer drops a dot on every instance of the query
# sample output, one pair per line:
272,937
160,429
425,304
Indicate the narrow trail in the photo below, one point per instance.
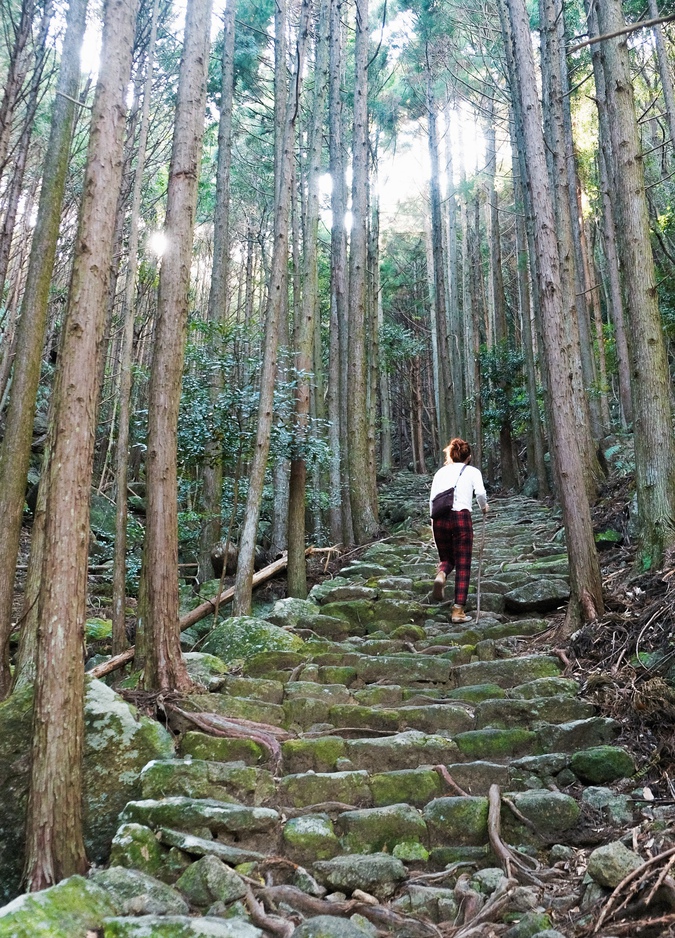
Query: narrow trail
367,803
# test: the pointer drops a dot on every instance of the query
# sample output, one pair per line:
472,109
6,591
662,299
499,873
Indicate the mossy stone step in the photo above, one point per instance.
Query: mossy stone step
242,708
266,691
310,788
369,830
507,672
221,749
462,821
443,718
503,714
257,828
399,751
408,670
197,778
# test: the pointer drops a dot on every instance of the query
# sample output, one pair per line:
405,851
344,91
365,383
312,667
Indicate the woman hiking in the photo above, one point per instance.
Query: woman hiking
452,527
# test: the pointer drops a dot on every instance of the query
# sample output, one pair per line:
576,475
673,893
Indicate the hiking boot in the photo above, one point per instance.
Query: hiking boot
458,614
439,586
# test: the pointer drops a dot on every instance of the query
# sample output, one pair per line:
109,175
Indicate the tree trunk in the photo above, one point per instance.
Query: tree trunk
16,444
243,582
364,512
654,446
439,312
119,638
664,71
585,583
16,75
577,350
54,844
212,470
307,323
536,431
338,304
164,666
454,282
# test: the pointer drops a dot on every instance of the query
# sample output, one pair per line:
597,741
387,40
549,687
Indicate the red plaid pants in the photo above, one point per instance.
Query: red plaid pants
454,543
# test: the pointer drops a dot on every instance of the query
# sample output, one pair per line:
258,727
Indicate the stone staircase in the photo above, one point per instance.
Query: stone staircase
397,723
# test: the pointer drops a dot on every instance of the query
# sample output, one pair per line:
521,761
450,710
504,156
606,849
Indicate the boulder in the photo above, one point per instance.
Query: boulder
609,864
73,909
602,764
118,743
377,873
136,893
310,837
288,612
371,829
543,594
205,669
209,880
245,636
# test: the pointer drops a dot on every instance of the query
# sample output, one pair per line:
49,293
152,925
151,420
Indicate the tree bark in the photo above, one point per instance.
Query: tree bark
585,582
242,596
654,446
164,665
307,324
16,444
119,638
212,471
364,512
54,844
664,71
439,311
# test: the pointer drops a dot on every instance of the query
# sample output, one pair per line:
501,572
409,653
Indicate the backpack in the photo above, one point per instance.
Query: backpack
442,504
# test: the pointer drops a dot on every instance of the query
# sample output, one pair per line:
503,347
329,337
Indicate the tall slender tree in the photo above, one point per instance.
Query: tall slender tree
54,844
275,300
654,444
16,443
164,665
212,472
364,512
586,601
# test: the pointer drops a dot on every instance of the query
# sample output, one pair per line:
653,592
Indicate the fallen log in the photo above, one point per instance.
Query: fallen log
196,615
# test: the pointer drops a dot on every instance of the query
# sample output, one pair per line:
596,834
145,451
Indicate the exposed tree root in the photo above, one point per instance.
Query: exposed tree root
512,863
378,914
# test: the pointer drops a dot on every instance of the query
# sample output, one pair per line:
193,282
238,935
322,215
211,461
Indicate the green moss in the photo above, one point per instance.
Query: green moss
602,764
408,786
495,743
333,674
410,852
316,755
409,633
135,847
310,838
372,829
460,821
245,636
69,910
213,749
477,692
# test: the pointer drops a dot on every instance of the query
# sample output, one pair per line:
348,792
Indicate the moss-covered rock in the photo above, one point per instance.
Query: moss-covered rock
271,665
135,846
316,787
329,926
234,781
118,743
408,786
209,880
495,743
551,812
176,926
460,821
288,612
312,755
378,873
602,764
245,636
337,674
241,708
409,633
204,669
258,688
214,749
137,893
383,695
508,672
609,864
546,687
72,909
403,751
231,822
371,829
309,838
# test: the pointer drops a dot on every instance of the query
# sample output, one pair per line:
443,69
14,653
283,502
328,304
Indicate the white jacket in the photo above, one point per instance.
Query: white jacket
470,483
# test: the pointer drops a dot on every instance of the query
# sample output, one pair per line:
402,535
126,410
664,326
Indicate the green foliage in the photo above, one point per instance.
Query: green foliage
503,388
